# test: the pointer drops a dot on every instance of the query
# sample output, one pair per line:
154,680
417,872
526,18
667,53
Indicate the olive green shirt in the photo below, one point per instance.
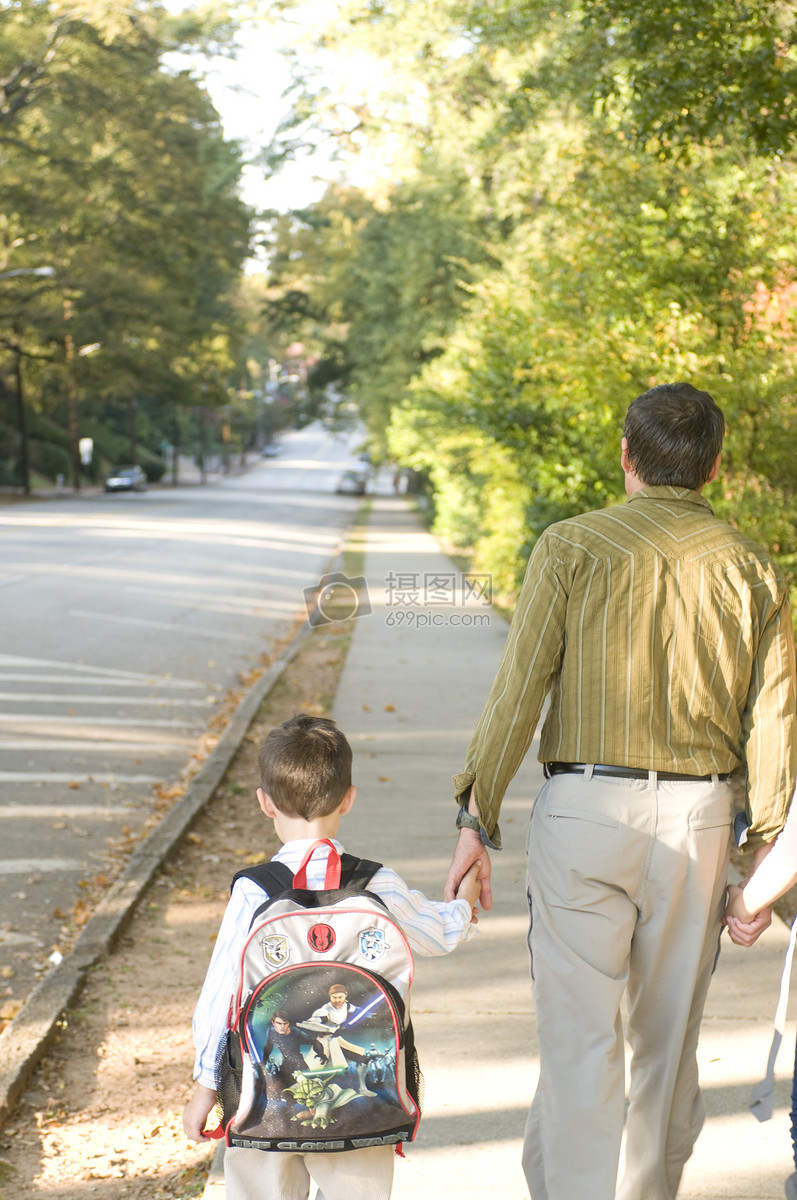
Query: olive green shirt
664,639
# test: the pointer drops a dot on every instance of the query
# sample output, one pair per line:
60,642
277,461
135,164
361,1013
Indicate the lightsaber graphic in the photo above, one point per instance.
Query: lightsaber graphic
365,1010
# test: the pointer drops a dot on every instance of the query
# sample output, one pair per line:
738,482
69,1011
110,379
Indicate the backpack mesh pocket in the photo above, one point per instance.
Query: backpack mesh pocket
413,1076
229,1076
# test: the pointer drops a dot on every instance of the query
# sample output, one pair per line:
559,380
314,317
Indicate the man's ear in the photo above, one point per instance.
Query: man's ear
624,463
265,802
715,470
348,801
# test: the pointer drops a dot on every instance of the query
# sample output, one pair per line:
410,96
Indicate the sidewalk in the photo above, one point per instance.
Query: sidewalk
408,700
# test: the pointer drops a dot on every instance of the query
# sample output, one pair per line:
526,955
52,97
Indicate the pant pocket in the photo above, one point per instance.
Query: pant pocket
528,936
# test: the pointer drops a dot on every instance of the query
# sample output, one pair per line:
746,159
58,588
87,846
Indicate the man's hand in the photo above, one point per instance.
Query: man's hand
744,928
470,850
197,1111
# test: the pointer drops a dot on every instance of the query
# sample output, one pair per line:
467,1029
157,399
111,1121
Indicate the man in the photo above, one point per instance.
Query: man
334,1016
663,638
288,1042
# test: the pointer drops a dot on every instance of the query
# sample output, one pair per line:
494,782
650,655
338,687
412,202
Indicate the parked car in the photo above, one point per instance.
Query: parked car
352,483
126,479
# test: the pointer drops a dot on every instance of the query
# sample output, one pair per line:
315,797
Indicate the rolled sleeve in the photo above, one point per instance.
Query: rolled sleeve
530,662
769,729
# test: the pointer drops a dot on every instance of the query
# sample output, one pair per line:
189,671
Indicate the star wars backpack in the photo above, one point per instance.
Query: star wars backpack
319,1054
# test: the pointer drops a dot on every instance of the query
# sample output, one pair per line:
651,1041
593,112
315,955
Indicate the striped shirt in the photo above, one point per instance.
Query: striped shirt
430,926
664,639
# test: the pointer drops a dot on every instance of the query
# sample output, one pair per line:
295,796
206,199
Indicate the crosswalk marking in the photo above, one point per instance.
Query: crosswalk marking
90,722
64,810
170,626
77,746
82,698
24,866
44,776
81,669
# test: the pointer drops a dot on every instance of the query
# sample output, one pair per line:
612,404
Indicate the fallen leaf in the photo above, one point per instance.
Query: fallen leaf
6,972
384,779
390,708
73,783
169,793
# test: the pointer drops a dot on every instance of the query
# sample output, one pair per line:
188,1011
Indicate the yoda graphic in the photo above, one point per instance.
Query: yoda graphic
319,1098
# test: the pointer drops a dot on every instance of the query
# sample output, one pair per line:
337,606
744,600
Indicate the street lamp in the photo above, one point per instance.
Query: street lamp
24,466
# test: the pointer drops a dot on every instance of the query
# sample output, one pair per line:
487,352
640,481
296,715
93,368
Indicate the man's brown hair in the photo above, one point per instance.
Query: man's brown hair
674,434
305,767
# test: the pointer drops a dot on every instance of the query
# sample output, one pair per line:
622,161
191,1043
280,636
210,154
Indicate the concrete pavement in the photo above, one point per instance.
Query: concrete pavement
416,677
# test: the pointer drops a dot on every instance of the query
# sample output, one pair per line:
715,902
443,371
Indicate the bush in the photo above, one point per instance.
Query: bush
153,465
50,459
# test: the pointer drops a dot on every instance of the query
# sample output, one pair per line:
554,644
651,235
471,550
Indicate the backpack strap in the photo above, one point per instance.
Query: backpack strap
272,877
332,876
275,878
357,872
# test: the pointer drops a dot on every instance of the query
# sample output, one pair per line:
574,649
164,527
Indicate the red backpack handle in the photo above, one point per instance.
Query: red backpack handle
332,877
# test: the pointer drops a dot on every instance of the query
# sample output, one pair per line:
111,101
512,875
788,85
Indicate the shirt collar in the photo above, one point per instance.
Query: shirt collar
681,495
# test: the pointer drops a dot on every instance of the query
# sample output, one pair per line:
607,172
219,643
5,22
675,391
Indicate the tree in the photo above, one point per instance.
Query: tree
115,171
621,190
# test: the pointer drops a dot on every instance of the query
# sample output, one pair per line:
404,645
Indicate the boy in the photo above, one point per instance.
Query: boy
305,768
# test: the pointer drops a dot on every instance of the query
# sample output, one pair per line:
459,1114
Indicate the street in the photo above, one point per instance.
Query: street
125,620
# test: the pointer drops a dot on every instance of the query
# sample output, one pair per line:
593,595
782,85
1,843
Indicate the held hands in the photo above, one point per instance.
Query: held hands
470,889
744,927
470,852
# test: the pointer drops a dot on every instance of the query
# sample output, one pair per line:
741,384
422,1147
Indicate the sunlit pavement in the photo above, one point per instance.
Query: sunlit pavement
126,620
410,695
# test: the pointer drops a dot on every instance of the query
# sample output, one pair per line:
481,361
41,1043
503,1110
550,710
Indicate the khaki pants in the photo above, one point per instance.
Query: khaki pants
273,1175
626,886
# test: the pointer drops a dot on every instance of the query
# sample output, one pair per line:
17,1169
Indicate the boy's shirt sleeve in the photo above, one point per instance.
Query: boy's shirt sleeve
213,1006
430,926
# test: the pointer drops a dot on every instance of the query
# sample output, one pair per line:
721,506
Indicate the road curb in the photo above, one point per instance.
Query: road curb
26,1038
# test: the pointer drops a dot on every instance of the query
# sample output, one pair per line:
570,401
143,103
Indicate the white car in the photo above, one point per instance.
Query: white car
126,479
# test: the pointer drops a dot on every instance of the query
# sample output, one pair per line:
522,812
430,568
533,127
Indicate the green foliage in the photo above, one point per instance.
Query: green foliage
375,286
115,174
581,203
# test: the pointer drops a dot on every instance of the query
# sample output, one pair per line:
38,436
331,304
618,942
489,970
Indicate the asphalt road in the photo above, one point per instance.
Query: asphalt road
124,620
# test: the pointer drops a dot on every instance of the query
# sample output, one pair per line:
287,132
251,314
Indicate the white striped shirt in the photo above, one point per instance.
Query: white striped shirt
430,926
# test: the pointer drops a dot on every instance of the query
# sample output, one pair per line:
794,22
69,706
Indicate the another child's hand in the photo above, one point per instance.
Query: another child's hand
197,1111
736,906
470,889
744,926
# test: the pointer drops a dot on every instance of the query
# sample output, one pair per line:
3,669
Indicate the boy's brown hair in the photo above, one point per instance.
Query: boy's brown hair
305,767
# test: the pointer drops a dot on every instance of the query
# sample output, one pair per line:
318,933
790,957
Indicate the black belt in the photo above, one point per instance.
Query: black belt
559,768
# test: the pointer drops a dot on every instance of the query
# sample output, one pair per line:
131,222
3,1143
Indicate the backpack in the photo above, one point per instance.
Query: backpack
319,1054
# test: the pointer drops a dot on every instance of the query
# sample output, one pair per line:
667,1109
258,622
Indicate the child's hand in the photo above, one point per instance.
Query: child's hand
470,889
197,1111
